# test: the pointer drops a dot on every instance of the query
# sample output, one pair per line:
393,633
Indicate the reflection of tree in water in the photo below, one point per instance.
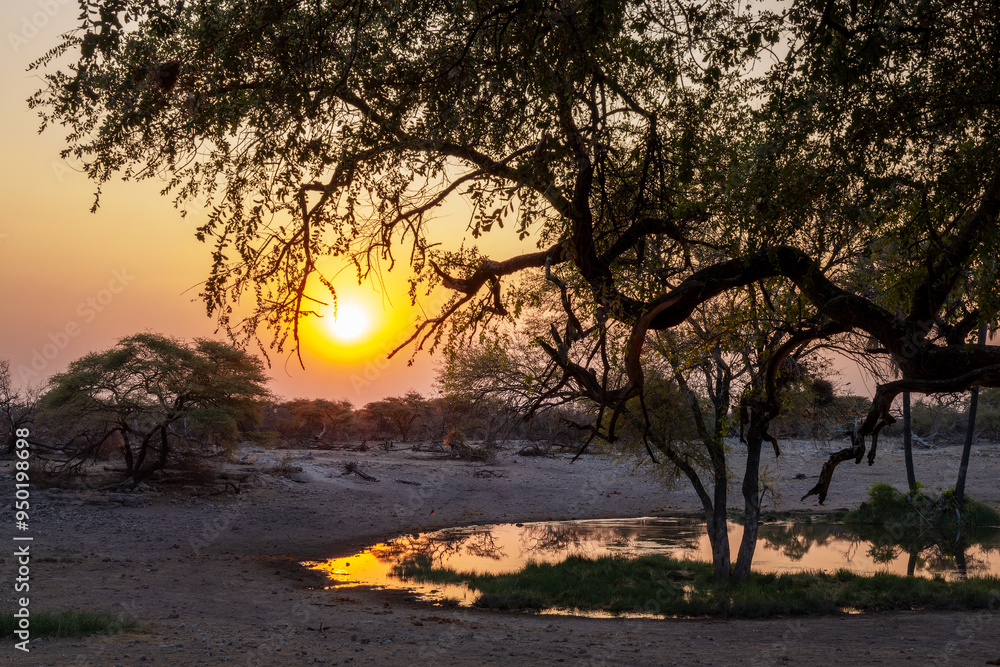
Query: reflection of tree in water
794,540
576,538
435,547
953,555
925,548
483,544
686,535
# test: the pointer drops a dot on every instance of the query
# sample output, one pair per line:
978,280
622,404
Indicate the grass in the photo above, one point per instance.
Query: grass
886,505
916,521
69,623
660,585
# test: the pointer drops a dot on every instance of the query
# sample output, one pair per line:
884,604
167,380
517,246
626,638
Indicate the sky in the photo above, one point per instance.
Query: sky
73,282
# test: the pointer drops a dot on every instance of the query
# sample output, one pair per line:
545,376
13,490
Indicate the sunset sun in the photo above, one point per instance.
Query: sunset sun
351,323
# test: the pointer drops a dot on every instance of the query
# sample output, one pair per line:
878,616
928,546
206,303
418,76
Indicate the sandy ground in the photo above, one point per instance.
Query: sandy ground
217,580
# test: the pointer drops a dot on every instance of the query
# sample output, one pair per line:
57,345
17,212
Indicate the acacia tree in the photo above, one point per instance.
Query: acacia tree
156,398
317,419
505,383
632,140
17,407
399,415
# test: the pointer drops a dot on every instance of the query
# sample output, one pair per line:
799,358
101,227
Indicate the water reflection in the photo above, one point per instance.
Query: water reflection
923,552
782,547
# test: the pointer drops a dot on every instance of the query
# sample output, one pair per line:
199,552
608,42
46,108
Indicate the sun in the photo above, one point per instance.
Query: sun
350,324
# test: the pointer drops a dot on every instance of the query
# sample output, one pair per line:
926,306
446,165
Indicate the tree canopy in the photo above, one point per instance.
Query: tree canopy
835,160
152,395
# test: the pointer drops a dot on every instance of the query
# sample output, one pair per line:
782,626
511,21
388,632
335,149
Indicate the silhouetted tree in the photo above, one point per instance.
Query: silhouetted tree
157,397
640,143
398,416
17,407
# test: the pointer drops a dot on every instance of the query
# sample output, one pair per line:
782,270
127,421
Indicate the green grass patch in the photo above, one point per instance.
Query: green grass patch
661,585
67,623
916,521
887,505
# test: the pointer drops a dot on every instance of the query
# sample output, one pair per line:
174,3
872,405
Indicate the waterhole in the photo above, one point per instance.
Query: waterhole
781,547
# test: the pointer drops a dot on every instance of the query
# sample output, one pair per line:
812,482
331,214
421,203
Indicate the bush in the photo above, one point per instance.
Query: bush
917,519
69,623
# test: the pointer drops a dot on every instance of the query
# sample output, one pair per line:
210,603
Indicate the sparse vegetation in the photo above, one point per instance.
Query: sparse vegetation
68,623
660,585
919,523
886,506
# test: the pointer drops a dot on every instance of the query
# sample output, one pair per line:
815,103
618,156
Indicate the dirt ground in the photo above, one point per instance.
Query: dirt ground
217,579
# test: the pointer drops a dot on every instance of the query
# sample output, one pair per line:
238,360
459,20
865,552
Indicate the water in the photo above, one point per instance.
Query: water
781,547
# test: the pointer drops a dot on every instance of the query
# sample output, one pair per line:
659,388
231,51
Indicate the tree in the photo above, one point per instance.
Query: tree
316,419
502,384
970,434
17,407
157,397
853,173
398,415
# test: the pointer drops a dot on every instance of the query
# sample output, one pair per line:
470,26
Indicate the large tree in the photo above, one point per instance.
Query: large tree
156,398
659,152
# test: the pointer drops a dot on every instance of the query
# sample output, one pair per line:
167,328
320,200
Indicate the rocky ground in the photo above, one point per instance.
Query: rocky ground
217,579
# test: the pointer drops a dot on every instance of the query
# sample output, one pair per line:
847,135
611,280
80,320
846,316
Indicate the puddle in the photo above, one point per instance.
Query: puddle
502,548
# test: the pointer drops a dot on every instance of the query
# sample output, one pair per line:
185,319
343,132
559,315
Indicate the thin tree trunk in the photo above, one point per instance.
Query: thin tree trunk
911,478
911,562
970,431
751,502
164,448
127,453
960,562
718,527
140,460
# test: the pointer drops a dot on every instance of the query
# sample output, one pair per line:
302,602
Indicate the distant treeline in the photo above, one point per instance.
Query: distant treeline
413,418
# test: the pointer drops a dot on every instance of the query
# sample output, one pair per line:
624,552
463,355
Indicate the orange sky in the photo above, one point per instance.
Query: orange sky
75,282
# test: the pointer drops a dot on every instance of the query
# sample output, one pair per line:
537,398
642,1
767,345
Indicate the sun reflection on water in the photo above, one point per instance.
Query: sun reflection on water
504,548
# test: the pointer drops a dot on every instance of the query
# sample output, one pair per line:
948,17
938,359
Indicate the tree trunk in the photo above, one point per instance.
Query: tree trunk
751,502
164,449
140,459
718,528
911,478
970,432
127,453
960,562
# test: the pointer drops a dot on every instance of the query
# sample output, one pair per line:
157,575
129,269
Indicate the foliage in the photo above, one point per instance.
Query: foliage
988,414
157,398
308,420
395,416
492,385
17,407
937,419
68,623
916,522
887,507
660,585
828,172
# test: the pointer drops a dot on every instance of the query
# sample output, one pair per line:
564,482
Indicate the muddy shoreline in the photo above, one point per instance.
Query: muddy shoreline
216,579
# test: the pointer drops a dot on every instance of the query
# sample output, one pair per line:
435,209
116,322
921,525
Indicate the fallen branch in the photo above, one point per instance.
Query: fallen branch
352,467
